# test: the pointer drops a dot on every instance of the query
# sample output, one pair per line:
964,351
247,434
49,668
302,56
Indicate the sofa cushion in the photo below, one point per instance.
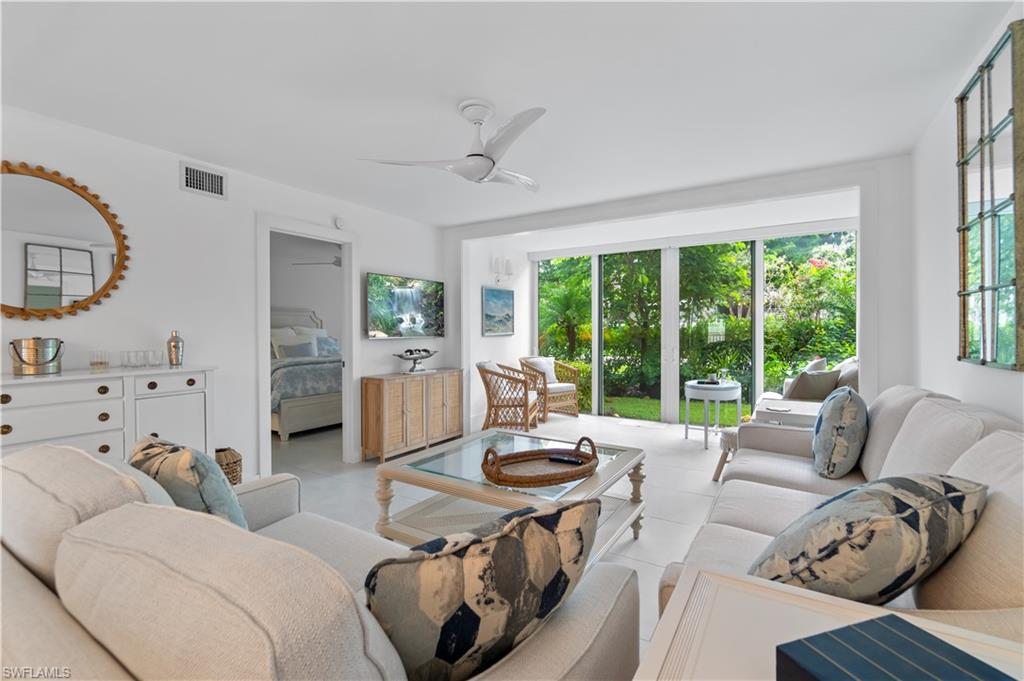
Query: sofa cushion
177,594
812,385
936,432
765,509
849,373
783,470
717,548
456,605
988,570
875,541
885,416
47,490
191,477
839,433
350,551
152,492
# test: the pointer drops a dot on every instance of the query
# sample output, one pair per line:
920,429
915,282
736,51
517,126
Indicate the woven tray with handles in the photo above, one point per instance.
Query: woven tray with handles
534,468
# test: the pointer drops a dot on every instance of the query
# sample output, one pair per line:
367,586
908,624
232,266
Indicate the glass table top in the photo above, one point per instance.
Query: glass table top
463,462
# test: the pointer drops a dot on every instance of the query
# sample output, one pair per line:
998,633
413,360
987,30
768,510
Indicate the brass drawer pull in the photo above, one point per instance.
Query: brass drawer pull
5,399
190,382
104,416
103,390
151,385
6,429
104,449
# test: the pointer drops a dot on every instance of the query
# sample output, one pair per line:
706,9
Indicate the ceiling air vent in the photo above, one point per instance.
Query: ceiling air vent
204,181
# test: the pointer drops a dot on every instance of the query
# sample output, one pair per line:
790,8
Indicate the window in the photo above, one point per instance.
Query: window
989,226
56,276
563,316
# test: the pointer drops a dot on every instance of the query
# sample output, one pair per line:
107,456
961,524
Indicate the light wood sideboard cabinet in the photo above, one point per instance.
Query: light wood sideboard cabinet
105,413
403,412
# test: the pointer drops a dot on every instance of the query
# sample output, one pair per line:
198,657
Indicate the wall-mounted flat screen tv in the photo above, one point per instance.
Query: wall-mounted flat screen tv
400,307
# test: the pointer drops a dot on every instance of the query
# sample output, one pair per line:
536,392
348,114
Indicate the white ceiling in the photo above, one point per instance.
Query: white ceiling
641,98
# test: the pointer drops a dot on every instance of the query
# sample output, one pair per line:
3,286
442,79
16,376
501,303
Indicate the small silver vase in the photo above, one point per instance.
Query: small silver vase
175,350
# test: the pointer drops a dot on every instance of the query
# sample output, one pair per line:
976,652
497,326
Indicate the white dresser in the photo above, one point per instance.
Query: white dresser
107,412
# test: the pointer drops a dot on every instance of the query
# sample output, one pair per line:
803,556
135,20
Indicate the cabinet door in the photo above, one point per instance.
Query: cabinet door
453,403
394,415
435,407
178,418
416,411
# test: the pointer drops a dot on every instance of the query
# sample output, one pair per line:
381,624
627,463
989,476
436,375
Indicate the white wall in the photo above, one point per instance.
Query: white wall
935,310
502,349
318,287
193,263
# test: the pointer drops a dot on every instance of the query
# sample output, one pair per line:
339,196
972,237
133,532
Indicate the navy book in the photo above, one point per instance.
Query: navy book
887,647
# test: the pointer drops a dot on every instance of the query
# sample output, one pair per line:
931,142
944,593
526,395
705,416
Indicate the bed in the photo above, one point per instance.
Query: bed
305,392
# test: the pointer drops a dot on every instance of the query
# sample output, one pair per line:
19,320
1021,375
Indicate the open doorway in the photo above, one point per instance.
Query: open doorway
307,375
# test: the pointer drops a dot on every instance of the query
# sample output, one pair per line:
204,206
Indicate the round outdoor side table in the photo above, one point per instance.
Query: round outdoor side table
725,390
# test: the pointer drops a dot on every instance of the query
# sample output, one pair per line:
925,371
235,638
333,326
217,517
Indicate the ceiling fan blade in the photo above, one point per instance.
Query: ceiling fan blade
508,133
510,177
473,168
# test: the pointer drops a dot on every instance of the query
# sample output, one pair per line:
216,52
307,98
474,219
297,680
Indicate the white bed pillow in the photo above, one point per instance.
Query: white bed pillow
303,348
309,331
283,334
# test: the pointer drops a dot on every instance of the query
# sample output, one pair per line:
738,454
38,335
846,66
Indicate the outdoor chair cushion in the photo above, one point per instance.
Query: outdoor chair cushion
555,388
545,365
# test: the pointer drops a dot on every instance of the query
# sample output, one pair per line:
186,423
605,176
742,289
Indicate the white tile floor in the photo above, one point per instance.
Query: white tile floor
678,489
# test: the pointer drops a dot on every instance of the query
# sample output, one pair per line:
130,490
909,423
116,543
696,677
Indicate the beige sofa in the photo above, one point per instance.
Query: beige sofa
771,482
104,578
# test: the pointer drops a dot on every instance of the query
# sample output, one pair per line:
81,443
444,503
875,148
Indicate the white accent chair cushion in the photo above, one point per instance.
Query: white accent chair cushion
253,608
49,489
936,432
988,570
555,388
545,364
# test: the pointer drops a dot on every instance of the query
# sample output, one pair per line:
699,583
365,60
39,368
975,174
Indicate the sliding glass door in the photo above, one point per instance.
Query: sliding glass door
631,335
810,303
564,316
716,333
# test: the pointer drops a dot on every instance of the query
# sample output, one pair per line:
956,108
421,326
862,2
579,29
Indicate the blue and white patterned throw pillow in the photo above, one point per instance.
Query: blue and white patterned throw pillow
191,477
458,604
874,541
328,346
839,433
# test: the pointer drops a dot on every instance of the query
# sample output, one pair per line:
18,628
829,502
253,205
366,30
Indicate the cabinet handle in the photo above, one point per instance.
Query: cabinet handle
151,385
190,382
104,449
103,390
104,416
6,429
154,434
5,399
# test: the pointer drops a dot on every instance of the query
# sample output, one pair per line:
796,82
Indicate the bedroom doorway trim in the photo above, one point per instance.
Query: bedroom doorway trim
265,224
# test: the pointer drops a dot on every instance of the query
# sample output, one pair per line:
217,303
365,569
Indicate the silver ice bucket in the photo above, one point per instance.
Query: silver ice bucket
36,356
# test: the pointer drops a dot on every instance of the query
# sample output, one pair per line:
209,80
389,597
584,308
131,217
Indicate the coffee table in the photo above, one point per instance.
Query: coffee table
466,499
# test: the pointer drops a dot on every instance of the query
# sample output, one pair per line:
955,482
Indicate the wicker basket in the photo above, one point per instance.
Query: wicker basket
533,468
230,462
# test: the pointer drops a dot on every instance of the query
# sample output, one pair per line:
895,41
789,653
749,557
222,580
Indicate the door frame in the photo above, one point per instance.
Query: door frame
265,224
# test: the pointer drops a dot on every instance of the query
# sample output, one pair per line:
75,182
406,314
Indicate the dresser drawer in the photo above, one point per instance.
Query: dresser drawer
104,446
60,420
169,383
18,394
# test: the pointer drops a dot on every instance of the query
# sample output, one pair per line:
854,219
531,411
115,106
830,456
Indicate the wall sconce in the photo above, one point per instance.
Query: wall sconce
501,268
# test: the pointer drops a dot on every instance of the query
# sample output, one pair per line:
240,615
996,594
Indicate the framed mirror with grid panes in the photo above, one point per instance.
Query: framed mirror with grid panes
990,153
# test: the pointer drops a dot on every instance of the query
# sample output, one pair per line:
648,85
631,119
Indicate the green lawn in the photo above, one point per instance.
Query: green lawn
650,410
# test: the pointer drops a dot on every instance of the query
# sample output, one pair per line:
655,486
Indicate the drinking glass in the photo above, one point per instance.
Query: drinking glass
155,357
99,360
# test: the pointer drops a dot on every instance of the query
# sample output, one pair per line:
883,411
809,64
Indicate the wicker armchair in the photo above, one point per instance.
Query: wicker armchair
512,397
555,395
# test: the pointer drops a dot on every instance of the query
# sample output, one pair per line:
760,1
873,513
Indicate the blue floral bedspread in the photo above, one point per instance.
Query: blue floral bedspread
303,377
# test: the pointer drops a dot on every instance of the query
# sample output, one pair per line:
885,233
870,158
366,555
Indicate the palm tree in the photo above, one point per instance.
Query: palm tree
566,307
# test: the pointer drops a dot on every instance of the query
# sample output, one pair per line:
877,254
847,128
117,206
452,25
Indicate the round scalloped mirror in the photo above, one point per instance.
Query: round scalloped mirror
63,250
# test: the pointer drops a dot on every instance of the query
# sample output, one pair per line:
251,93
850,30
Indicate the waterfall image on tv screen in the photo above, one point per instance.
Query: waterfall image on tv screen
399,307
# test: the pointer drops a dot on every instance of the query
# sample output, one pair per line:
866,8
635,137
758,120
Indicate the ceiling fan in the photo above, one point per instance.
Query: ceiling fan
481,163
334,263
